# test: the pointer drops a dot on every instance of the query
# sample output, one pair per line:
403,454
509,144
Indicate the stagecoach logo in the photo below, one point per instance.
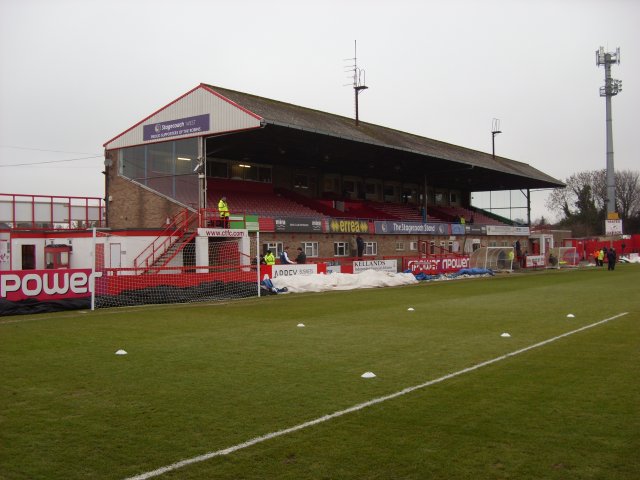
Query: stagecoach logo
175,128
47,285
408,228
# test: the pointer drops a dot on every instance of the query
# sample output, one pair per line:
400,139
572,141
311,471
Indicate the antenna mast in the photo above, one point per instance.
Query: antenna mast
495,130
610,89
358,78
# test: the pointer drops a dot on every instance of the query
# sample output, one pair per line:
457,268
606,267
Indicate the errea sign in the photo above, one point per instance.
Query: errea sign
46,284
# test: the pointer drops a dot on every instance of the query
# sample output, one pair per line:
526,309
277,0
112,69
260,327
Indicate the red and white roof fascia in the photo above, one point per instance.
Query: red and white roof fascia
224,116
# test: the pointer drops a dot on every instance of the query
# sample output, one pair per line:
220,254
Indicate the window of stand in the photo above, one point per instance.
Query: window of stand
275,247
301,180
238,170
310,249
341,249
57,256
370,248
166,167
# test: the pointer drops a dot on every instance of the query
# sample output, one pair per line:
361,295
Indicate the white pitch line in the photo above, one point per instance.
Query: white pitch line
355,408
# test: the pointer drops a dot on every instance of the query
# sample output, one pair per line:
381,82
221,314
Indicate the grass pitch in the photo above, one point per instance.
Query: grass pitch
201,378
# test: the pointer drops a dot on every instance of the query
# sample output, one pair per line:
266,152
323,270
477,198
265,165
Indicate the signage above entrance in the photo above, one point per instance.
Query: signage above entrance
176,128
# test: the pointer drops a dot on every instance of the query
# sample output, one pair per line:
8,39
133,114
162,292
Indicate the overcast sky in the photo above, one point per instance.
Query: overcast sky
75,73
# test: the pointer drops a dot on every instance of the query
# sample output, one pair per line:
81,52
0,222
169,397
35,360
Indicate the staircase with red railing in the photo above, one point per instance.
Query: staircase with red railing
171,241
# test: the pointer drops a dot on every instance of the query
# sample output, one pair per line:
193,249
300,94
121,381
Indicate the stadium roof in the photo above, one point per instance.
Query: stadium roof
255,129
359,149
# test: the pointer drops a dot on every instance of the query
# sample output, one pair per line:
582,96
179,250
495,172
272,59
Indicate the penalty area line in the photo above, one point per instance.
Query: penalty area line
355,408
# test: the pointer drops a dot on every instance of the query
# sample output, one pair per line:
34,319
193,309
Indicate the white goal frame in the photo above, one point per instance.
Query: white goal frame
201,269
493,258
565,257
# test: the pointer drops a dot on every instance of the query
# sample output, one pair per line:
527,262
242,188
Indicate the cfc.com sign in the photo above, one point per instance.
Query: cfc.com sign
46,284
433,266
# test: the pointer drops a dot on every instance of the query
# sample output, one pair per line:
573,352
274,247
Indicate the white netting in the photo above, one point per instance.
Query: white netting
564,257
493,258
173,269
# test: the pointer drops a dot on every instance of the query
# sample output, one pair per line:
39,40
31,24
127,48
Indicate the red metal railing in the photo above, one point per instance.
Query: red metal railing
47,212
166,261
210,217
171,234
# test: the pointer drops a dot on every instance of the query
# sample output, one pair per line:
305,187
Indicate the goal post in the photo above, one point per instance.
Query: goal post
193,269
564,257
493,258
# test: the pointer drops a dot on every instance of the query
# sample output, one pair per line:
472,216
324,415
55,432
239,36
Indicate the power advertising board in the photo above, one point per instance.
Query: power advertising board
45,285
440,264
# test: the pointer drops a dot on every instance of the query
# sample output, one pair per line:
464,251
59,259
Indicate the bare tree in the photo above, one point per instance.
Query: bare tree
569,201
589,188
583,203
628,194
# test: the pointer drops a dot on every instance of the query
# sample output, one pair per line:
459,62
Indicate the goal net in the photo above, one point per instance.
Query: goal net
564,257
493,258
172,269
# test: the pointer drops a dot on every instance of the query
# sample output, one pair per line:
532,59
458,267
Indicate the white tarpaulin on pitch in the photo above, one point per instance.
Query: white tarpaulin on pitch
632,258
343,281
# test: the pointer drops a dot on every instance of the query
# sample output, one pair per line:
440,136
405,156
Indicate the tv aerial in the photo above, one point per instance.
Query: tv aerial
358,75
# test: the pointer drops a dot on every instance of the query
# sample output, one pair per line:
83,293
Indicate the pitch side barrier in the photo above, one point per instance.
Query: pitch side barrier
25,292
41,291
429,264
436,264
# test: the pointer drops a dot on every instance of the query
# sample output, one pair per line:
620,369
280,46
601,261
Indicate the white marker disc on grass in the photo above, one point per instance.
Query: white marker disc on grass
505,335
571,315
121,352
410,309
368,375
301,325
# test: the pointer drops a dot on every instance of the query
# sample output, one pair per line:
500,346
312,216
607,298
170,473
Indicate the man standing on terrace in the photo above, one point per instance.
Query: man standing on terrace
223,210
360,246
284,257
301,258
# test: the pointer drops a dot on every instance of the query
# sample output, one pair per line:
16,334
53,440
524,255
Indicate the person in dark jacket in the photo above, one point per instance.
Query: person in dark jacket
284,257
301,258
360,246
611,259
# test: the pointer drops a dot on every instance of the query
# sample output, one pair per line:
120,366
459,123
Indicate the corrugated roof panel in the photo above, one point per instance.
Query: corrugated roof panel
297,117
